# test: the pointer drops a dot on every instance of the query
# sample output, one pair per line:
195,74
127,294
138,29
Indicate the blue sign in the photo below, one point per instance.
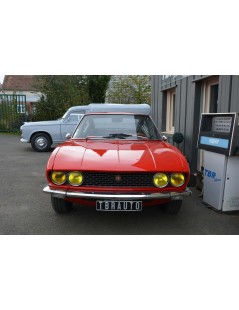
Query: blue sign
216,142
212,175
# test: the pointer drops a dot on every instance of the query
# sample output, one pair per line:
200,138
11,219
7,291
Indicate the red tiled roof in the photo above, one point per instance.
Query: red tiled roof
19,82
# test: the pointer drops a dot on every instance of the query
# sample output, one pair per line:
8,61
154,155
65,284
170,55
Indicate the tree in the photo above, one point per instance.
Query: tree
98,85
140,87
129,89
59,92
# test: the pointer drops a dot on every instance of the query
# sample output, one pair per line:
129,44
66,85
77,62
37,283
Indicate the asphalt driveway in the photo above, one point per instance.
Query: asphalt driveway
25,209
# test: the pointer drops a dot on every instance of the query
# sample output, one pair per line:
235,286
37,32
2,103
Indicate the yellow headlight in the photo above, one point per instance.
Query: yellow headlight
58,177
75,178
160,180
177,179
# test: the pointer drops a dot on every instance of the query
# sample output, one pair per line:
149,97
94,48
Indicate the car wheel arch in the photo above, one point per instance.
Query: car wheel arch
40,132
41,143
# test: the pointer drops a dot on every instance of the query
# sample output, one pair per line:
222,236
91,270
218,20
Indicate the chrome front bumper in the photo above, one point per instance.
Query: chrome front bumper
24,140
70,194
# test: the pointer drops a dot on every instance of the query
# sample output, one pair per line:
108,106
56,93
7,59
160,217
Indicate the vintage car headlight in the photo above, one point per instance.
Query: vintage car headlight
177,179
160,180
75,178
58,177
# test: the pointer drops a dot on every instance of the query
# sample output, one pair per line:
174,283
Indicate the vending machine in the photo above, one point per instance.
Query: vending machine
219,138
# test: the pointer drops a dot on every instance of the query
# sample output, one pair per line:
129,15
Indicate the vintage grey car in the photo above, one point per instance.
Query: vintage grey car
43,134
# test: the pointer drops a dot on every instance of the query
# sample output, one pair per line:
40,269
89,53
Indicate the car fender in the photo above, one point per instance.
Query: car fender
50,128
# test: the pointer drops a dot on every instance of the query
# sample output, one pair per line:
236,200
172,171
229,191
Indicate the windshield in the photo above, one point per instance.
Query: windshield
117,126
74,112
65,115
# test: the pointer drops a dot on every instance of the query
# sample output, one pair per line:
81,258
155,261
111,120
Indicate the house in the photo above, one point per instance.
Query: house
23,85
179,100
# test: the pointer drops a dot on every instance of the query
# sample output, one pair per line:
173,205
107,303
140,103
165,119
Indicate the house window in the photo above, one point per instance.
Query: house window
21,108
210,95
170,110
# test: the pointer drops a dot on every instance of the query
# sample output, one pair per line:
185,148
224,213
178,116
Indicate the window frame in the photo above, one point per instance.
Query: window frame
21,108
170,110
205,108
207,92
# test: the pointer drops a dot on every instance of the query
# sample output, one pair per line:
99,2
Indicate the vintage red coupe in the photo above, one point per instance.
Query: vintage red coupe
117,162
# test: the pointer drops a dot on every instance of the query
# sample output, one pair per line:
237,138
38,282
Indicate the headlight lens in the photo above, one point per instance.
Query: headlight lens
177,179
75,178
58,177
160,180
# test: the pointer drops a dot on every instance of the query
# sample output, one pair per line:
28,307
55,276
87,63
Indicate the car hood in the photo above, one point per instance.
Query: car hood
119,155
42,123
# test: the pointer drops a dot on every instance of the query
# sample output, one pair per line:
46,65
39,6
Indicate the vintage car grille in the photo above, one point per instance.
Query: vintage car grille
111,179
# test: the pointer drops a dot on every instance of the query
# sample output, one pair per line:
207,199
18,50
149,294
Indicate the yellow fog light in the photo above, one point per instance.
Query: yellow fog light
177,179
160,180
75,178
58,177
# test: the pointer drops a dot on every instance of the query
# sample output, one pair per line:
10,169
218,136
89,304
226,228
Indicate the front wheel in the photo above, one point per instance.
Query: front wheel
173,207
61,206
41,142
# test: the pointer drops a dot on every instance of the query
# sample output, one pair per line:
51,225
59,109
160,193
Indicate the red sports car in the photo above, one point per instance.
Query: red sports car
117,162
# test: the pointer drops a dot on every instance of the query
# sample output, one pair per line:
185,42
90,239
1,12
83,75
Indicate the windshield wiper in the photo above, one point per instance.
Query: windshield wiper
117,135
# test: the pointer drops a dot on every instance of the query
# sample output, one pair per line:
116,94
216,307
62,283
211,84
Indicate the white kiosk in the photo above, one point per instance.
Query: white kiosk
219,138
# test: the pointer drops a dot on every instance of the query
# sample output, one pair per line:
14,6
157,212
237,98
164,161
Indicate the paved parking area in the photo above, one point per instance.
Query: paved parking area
25,209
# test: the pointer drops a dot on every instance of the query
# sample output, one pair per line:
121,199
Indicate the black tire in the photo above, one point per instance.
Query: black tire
172,207
60,205
41,142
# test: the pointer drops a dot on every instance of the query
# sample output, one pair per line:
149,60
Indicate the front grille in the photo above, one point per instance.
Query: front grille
114,179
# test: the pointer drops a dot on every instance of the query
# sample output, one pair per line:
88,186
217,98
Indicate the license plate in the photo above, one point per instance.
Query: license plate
106,205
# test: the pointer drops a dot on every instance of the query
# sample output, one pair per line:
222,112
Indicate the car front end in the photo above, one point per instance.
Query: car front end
117,175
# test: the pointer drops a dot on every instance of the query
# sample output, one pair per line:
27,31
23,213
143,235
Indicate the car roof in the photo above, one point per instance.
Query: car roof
114,107
114,113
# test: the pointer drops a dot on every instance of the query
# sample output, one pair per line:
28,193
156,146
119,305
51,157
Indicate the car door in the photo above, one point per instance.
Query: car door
69,123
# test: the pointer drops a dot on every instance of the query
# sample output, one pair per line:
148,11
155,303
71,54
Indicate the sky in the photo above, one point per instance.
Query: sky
1,78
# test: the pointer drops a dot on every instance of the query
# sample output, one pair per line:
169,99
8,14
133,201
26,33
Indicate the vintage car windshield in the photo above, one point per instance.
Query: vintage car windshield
65,115
117,126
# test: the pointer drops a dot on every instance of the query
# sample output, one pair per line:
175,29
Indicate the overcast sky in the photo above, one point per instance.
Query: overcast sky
1,78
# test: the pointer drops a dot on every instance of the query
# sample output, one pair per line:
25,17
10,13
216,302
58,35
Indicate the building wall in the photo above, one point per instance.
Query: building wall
229,93
189,106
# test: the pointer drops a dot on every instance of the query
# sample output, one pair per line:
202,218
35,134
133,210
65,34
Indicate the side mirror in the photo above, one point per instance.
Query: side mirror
68,136
165,139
